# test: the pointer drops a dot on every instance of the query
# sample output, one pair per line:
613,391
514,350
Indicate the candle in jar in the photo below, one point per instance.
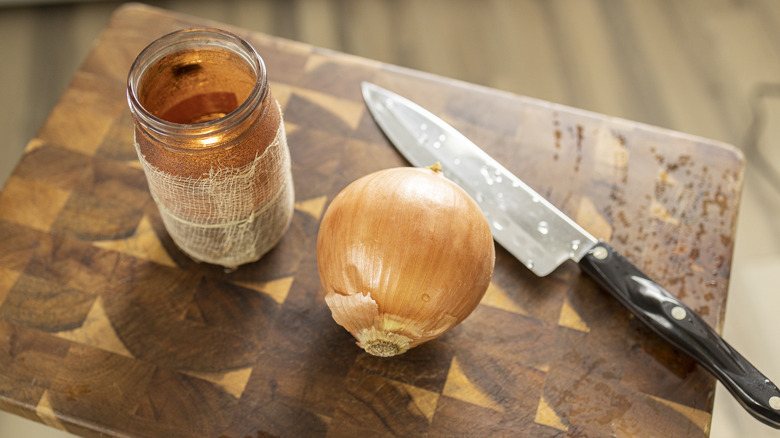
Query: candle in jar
211,139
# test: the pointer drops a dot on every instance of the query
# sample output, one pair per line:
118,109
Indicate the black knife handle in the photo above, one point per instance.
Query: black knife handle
681,327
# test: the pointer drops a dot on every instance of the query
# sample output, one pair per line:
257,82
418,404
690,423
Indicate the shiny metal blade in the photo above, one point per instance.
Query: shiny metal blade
522,221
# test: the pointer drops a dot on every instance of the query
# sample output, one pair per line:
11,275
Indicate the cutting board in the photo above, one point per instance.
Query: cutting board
106,328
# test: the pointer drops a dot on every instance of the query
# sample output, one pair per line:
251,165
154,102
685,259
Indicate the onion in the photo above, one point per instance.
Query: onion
404,255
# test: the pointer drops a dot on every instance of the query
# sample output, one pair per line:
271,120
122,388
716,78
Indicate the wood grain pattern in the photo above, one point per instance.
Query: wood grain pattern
107,328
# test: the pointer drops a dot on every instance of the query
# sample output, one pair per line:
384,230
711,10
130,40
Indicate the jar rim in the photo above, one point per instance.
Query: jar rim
174,42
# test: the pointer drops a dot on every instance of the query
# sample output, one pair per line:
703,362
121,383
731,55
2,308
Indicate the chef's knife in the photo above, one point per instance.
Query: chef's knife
542,238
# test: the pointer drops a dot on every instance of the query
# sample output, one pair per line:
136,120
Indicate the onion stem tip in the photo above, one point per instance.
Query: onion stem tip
436,167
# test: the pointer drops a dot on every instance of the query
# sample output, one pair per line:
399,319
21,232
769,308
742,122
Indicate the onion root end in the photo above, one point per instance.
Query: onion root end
382,343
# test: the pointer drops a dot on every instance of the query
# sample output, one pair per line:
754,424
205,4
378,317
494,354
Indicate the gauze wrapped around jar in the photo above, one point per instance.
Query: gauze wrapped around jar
211,140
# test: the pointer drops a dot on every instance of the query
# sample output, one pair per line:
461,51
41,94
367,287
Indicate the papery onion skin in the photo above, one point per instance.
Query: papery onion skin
404,255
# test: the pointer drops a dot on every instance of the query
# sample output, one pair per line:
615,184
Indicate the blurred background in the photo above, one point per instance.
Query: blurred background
704,67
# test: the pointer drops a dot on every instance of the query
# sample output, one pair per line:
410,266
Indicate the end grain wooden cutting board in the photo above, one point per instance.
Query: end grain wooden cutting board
106,328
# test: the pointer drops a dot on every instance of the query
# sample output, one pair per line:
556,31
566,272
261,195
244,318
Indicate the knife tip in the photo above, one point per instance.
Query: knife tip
368,87
372,92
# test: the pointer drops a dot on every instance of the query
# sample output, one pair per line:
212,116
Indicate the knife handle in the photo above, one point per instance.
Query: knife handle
684,329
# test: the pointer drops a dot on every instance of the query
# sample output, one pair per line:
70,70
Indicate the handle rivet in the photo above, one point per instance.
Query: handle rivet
600,253
774,402
679,314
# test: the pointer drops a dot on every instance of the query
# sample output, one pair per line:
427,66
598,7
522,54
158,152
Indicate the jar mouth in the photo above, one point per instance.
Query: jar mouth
188,39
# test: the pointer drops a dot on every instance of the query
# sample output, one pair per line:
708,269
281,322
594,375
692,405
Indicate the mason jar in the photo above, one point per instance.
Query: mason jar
211,140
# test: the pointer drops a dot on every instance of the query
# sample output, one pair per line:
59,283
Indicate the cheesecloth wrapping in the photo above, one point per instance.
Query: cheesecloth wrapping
232,215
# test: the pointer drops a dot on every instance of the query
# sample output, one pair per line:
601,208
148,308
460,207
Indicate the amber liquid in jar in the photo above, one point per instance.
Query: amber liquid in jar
211,139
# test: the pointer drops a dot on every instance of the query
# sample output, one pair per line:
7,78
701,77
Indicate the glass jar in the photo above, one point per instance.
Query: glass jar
211,140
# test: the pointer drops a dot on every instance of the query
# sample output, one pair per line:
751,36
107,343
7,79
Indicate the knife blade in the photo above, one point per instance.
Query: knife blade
542,238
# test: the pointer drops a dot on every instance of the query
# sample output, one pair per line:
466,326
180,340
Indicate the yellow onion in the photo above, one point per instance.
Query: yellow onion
404,255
